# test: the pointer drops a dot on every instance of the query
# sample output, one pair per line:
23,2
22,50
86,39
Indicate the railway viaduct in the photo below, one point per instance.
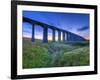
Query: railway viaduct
66,35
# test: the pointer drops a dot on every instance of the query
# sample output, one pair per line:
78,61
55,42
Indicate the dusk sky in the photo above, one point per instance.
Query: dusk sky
77,23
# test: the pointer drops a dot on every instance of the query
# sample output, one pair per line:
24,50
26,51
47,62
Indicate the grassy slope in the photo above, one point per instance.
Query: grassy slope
38,54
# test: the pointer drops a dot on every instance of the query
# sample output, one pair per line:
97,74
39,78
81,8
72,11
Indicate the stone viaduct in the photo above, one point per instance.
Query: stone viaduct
69,35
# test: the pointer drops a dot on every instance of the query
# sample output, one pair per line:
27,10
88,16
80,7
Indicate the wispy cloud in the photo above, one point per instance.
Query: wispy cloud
83,28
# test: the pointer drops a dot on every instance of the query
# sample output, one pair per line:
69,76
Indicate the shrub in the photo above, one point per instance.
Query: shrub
34,57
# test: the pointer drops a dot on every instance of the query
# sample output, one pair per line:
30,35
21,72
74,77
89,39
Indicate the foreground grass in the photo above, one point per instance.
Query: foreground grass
38,54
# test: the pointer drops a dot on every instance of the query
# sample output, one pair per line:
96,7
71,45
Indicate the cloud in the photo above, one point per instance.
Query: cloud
83,28
27,31
25,34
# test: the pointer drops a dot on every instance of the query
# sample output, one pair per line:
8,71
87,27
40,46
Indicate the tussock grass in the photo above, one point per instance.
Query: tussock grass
39,55
77,57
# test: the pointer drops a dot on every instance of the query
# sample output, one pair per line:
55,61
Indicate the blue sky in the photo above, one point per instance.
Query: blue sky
77,23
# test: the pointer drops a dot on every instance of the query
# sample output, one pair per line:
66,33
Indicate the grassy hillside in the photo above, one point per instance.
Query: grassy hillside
38,54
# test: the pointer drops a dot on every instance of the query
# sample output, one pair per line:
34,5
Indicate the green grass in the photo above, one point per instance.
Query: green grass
77,57
39,55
